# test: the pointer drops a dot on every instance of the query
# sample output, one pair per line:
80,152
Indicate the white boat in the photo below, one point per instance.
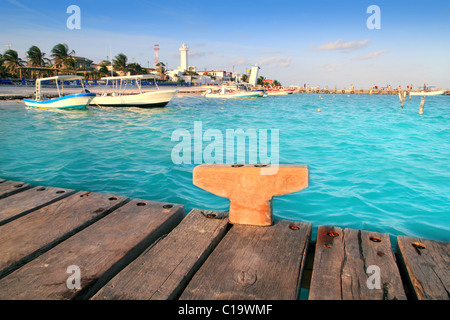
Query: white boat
277,93
71,101
427,93
118,97
223,94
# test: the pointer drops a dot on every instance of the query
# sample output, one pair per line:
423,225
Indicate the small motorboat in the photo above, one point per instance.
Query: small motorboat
427,93
277,93
223,94
71,101
118,97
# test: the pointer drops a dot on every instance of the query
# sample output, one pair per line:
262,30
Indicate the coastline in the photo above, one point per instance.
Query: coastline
20,92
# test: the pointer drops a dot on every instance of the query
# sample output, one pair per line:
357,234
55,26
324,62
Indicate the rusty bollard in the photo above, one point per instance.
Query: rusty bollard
250,188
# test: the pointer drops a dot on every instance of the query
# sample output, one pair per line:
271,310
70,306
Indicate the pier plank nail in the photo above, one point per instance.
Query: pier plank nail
255,263
24,202
99,251
250,188
426,265
27,237
341,266
8,188
163,271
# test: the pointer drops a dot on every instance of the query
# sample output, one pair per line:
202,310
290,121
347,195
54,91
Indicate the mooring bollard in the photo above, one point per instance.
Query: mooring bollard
250,188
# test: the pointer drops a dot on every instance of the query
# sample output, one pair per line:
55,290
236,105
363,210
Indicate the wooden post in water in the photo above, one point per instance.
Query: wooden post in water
400,97
422,103
250,188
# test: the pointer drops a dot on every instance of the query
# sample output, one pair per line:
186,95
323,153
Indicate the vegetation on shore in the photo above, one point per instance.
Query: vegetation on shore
62,60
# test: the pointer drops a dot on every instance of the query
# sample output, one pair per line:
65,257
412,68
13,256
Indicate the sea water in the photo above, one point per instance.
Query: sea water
373,165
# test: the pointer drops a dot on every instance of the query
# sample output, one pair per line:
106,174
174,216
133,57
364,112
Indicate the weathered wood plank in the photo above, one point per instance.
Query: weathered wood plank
10,187
163,271
27,237
345,259
426,264
99,251
29,200
254,263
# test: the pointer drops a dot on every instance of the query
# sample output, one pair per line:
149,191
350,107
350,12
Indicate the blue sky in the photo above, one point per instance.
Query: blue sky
296,42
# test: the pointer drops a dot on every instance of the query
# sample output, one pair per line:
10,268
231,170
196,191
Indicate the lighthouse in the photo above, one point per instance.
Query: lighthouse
184,57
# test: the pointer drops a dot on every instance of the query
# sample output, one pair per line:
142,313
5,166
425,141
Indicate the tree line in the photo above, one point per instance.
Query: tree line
61,59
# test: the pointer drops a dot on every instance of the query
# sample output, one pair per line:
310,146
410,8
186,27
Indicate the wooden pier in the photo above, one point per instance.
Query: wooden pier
62,244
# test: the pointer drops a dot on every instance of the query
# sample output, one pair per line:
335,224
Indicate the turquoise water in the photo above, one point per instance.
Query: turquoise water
373,165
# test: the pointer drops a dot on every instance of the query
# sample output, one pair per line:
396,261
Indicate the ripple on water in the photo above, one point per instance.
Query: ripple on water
373,165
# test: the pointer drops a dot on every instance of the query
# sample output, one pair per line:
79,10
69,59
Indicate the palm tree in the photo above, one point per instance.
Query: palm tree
160,68
260,80
136,68
120,63
36,58
2,67
62,56
103,69
12,61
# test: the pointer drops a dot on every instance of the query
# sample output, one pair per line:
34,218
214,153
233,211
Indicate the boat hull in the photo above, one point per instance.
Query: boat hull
234,96
278,93
427,93
72,101
142,100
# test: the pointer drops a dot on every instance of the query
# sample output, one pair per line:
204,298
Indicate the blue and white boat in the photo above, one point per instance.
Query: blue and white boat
239,94
71,101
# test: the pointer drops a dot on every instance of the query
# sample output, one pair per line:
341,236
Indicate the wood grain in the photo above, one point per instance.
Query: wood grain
100,251
254,263
9,187
341,264
426,264
24,202
27,237
163,271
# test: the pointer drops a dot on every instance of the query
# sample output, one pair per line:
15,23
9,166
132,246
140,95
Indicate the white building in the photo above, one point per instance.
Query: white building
184,66
253,75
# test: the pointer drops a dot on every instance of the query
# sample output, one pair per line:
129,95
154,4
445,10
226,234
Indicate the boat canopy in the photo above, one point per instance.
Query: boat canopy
120,82
67,77
135,77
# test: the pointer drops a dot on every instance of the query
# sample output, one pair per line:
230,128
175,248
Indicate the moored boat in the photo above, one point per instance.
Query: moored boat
223,94
118,97
71,101
277,93
427,93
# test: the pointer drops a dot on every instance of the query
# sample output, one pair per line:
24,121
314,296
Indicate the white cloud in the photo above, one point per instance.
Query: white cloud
241,62
339,44
275,62
330,67
372,55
